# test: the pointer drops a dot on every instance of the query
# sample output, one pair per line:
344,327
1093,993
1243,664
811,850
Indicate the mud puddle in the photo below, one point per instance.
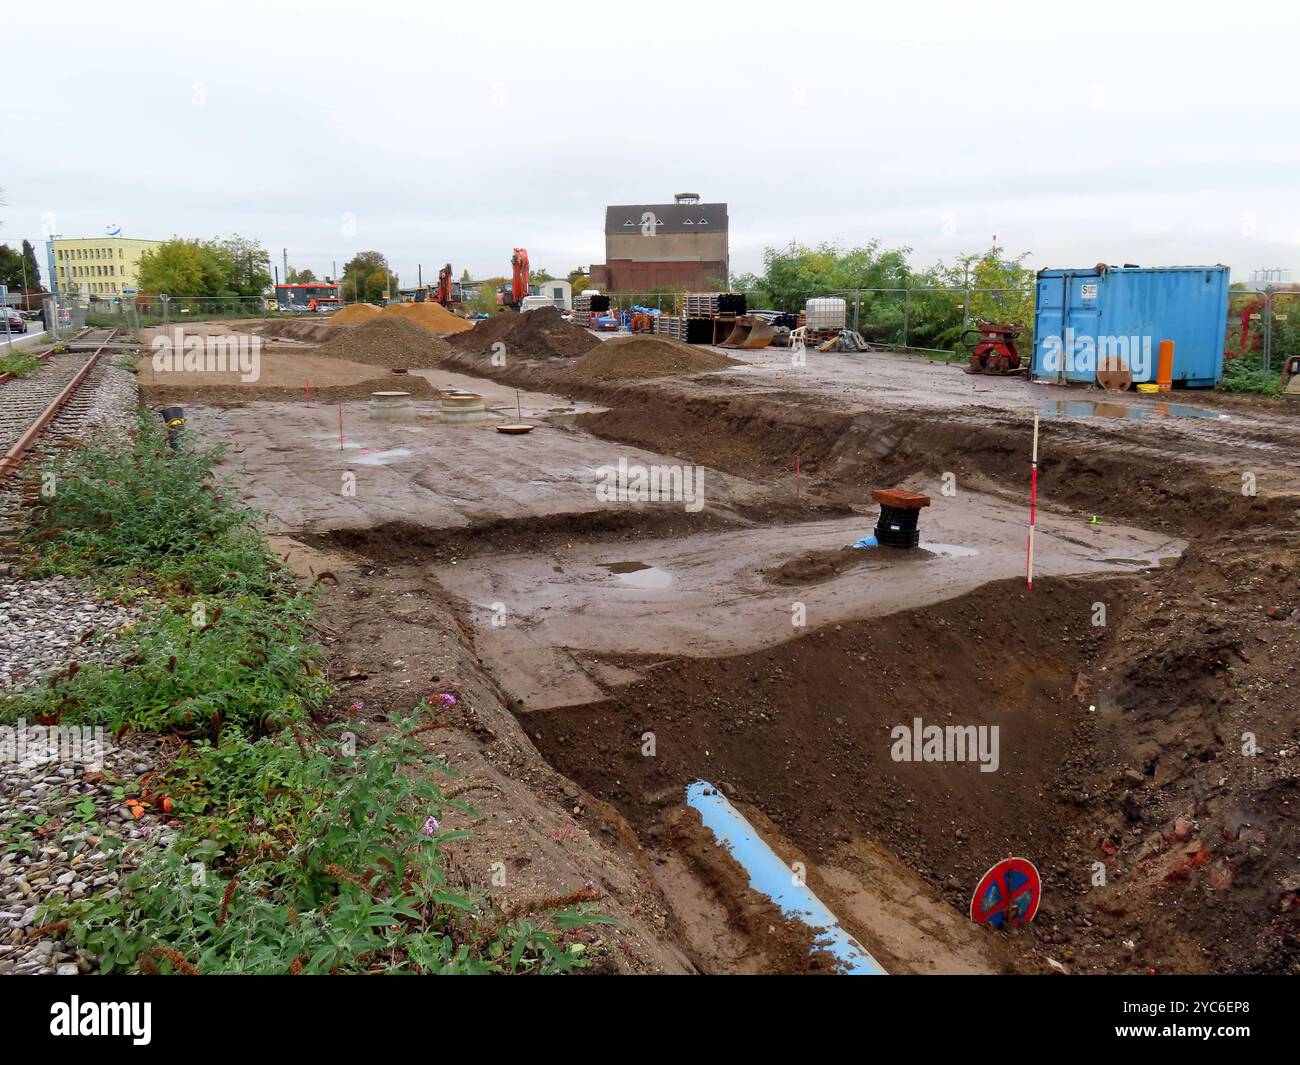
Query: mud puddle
1089,408
640,574
551,625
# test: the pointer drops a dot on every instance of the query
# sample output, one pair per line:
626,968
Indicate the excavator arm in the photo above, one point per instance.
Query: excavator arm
519,286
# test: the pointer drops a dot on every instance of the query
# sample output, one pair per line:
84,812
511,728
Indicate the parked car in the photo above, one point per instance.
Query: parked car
16,322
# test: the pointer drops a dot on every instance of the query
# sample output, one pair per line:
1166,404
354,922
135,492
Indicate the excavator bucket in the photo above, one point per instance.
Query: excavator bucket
750,332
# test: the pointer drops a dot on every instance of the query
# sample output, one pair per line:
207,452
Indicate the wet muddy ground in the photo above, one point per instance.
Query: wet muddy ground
548,624
1162,632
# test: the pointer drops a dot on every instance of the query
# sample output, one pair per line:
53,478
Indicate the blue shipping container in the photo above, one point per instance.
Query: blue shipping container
1082,316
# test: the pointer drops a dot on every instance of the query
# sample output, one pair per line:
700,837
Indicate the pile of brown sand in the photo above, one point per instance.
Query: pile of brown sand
631,357
432,316
355,314
386,341
537,334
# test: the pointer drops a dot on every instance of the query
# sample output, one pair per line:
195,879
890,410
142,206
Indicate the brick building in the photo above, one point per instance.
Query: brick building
683,244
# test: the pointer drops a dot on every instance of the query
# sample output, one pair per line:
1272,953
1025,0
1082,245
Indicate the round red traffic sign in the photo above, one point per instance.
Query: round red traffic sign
1007,895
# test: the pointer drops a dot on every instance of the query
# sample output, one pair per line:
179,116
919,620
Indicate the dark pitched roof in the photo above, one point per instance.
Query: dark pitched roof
672,217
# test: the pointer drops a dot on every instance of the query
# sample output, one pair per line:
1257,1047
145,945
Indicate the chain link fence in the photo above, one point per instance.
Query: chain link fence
1263,331
141,311
919,319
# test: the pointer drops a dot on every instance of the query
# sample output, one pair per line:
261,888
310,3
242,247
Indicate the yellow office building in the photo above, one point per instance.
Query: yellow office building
99,267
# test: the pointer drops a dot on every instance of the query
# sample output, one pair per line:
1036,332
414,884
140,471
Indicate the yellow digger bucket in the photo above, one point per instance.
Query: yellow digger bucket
750,332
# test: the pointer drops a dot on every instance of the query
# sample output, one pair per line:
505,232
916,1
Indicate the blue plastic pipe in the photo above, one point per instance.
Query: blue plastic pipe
772,877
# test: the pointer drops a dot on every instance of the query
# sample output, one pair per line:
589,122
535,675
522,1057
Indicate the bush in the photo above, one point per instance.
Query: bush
1246,374
19,363
345,874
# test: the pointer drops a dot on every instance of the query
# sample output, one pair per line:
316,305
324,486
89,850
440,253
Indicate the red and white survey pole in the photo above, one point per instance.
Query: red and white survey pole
1033,505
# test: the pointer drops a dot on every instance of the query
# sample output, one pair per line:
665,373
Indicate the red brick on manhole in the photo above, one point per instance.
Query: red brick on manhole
899,499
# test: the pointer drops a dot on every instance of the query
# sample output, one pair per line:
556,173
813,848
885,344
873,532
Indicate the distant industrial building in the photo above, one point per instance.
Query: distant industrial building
97,267
683,245
311,296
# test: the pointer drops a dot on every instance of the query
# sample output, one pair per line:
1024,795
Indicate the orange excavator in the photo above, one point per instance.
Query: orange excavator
446,294
512,295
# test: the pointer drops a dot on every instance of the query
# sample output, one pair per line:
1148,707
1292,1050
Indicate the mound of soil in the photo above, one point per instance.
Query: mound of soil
355,314
823,565
538,333
630,357
387,341
432,316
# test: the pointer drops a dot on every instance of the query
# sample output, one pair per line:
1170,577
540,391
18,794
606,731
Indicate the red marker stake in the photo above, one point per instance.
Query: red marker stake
1033,505
340,425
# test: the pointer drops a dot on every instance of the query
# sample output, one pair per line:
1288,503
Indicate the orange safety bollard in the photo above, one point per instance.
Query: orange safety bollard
1165,367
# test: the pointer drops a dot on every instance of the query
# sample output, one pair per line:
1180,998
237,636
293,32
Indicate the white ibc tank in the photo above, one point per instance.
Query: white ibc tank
825,313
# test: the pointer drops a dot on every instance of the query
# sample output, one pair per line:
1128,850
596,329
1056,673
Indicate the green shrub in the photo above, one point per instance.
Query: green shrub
1247,374
345,873
19,363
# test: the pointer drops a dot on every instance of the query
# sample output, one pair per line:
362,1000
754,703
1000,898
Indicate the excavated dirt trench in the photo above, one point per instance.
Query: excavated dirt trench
801,734
1116,740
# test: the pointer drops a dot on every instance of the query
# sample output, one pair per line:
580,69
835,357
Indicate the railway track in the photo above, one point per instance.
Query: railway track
50,402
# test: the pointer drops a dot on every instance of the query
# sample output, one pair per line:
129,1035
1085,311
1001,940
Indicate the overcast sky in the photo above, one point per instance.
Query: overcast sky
1155,133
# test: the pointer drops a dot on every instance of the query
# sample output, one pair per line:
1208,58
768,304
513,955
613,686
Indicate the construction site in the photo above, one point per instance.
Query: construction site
703,611
436,541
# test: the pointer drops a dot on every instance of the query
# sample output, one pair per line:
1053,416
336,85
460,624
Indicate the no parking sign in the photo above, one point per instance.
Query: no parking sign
1007,895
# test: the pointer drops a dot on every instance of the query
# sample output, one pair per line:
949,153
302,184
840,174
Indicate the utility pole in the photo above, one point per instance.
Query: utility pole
286,264
50,263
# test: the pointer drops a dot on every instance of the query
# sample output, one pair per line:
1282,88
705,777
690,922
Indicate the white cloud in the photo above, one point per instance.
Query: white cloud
1113,131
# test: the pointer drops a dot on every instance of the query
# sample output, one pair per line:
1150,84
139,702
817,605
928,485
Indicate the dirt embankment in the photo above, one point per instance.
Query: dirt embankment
803,731
308,330
1200,703
233,393
535,839
1136,478
1123,747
